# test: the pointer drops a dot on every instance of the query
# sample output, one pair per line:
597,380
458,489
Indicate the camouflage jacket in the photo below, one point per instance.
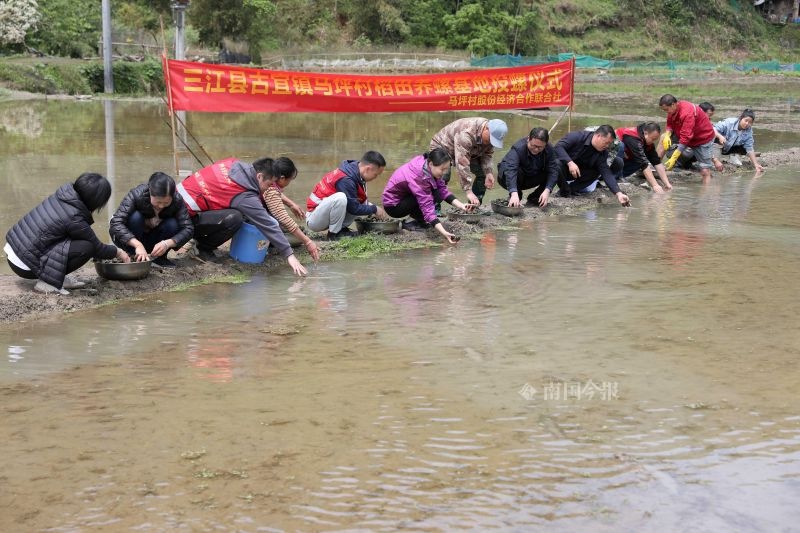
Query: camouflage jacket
462,140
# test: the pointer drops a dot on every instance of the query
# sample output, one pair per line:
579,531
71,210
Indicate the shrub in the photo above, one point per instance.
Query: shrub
130,77
43,78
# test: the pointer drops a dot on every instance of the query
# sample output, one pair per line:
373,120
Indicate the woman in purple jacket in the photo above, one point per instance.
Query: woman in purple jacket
414,189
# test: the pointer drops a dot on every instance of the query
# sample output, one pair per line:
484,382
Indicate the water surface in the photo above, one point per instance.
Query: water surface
620,370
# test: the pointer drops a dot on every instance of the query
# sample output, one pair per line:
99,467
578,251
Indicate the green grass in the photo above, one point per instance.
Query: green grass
65,76
44,78
688,30
368,245
241,277
745,88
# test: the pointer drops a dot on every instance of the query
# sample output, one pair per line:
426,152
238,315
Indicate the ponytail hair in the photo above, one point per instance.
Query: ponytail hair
161,185
273,169
283,167
437,156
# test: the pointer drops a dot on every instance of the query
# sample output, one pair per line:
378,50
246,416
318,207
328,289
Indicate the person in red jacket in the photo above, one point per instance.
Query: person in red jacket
693,129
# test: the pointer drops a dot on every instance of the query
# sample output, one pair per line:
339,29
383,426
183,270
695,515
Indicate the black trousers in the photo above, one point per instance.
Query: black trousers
736,149
478,186
524,181
212,228
79,254
587,177
408,206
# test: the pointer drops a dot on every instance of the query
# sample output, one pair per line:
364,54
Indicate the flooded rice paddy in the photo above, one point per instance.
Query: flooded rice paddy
628,370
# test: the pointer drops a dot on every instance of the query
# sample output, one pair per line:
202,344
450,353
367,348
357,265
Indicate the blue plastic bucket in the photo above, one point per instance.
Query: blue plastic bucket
249,245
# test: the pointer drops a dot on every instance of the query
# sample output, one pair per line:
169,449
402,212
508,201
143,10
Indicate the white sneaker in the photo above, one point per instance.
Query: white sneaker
71,282
734,160
46,288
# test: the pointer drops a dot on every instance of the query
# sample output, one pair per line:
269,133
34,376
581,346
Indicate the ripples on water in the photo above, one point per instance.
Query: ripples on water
621,370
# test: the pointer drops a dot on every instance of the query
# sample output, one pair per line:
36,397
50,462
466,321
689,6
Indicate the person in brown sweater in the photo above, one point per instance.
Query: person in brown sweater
282,173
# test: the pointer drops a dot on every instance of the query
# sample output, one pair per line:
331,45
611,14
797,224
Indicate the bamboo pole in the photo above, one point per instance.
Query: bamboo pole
165,66
197,142
559,119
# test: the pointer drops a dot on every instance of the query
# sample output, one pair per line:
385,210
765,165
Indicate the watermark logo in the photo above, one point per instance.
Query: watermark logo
528,392
572,390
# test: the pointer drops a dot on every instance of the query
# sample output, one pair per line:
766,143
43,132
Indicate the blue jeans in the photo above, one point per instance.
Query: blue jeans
166,230
629,166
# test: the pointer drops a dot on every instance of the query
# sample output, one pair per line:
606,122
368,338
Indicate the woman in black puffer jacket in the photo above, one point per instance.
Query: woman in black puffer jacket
152,220
56,238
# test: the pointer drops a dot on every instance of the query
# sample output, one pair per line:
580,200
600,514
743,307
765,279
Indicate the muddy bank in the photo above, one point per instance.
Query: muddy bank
21,303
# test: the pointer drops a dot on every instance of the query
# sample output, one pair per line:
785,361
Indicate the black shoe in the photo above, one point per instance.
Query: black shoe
206,255
565,192
343,233
532,200
413,225
163,262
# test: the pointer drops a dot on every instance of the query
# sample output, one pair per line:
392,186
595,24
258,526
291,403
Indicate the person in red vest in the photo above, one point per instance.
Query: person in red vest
693,129
222,195
341,196
638,152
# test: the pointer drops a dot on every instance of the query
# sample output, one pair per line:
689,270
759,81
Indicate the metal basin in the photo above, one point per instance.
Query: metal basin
388,226
122,271
501,207
469,218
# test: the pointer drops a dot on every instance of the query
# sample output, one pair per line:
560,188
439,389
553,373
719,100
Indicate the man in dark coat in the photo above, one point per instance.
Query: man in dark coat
584,158
531,163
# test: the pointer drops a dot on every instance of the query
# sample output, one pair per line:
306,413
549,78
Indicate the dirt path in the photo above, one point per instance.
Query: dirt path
21,303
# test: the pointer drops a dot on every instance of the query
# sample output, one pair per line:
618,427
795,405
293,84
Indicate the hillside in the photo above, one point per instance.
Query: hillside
707,30
721,31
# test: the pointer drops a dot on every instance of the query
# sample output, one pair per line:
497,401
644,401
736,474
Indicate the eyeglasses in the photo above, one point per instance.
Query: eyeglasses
537,147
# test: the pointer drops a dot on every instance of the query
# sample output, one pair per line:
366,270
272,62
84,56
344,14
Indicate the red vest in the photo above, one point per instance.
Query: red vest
633,132
327,187
210,188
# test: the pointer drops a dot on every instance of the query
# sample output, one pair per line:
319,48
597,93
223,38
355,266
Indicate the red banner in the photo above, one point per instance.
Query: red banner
225,88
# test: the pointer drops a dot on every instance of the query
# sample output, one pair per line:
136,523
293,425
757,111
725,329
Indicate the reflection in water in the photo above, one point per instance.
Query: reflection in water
111,173
212,356
629,370
575,373
21,120
16,353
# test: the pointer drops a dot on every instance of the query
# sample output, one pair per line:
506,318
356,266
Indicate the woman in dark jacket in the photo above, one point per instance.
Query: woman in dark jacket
152,220
56,238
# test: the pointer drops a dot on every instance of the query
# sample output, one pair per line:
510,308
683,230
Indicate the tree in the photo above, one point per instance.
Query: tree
251,21
68,27
309,24
16,18
424,19
482,29
143,15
